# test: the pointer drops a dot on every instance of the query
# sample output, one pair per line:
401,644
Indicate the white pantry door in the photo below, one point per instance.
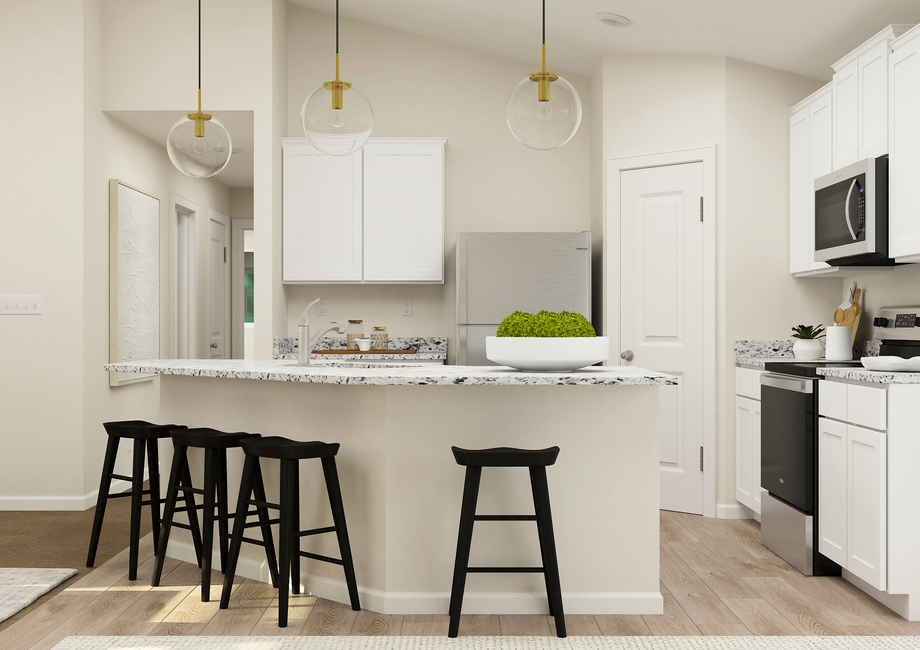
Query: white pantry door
219,287
661,312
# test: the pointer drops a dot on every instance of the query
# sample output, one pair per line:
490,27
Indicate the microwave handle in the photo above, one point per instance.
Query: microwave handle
846,209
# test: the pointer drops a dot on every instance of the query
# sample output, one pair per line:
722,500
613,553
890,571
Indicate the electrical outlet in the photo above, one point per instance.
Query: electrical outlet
20,304
321,308
407,308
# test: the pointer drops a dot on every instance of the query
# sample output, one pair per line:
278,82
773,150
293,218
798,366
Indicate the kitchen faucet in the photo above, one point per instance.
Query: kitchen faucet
305,343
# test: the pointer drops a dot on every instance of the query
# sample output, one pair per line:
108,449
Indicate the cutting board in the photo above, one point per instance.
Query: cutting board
364,351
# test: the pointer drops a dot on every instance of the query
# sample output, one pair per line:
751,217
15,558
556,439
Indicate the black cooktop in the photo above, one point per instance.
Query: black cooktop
806,368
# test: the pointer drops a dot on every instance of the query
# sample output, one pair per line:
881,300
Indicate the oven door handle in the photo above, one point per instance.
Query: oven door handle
787,383
846,209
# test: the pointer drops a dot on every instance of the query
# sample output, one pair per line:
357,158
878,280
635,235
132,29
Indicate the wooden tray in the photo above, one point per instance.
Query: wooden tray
364,351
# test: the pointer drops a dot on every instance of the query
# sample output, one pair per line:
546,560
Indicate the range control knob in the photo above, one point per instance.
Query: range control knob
880,322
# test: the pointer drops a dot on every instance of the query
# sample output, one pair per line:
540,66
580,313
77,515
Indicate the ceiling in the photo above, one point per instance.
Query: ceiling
800,36
155,126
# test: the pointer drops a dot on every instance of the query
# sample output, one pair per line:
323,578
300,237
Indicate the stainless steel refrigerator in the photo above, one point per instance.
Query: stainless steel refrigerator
499,272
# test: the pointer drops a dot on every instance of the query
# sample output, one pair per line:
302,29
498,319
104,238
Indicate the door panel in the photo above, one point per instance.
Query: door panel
219,287
832,490
661,313
866,505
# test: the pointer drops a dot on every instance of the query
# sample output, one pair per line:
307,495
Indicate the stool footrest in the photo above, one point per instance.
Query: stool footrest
186,508
321,558
263,504
177,524
188,488
504,517
251,540
259,524
122,495
122,477
318,531
506,569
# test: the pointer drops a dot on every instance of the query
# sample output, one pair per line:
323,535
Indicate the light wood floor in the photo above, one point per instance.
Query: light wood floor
716,579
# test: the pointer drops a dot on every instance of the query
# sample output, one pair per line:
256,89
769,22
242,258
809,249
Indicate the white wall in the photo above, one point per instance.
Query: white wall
421,87
901,286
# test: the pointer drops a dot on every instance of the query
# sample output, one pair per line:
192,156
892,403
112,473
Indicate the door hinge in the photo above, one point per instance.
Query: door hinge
701,208
225,254
701,459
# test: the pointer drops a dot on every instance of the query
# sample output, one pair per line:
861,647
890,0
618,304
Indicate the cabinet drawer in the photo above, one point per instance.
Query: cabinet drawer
832,400
747,382
867,406
755,380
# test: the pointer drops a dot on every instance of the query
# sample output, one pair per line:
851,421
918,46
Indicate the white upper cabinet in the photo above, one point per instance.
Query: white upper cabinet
404,210
904,153
321,224
375,216
860,125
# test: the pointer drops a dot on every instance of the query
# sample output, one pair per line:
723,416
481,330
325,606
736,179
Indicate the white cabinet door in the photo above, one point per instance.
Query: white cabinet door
404,211
744,450
321,227
904,146
755,457
846,123
801,193
866,505
832,489
872,106
821,153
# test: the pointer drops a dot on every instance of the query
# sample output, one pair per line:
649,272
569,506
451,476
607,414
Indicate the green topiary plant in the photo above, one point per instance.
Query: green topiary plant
546,324
808,332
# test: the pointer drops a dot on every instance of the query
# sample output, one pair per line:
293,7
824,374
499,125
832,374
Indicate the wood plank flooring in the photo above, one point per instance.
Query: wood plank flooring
716,579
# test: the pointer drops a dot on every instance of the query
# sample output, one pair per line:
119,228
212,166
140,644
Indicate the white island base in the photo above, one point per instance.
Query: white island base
402,488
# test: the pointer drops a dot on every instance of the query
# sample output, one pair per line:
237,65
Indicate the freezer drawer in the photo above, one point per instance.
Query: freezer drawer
788,532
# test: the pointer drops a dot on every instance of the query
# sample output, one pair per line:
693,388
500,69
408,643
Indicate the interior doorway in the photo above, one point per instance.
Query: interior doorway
660,286
218,286
243,326
183,235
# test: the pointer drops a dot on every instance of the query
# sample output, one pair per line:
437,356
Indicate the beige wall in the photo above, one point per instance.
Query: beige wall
900,286
420,87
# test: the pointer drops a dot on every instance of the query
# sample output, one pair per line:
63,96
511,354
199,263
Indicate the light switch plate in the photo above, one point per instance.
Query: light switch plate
20,304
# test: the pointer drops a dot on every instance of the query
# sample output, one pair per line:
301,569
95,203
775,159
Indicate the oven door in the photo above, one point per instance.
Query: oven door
788,439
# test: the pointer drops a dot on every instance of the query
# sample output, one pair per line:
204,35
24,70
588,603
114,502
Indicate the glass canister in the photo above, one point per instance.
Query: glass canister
379,338
355,330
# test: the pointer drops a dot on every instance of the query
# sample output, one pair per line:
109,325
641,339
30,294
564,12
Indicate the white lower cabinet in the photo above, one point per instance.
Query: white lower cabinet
747,438
852,486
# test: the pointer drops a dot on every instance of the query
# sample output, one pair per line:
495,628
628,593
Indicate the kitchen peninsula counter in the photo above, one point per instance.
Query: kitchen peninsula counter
402,488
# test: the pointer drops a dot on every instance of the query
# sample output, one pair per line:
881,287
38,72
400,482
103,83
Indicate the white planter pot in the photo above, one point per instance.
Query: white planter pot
808,349
562,354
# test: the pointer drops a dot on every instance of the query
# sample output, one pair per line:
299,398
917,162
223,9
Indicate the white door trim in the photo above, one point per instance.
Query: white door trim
177,202
611,293
236,272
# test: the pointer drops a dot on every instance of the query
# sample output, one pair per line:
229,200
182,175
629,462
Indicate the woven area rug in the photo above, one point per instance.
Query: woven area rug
492,643
19,588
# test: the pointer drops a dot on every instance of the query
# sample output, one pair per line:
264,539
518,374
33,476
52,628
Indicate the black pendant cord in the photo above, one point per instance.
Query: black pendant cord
544,21
337,26
199,44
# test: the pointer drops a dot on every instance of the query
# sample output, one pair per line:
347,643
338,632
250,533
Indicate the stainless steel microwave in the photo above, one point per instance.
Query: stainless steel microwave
851,214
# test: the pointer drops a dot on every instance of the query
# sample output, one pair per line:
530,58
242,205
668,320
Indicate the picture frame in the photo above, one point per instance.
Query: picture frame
134,279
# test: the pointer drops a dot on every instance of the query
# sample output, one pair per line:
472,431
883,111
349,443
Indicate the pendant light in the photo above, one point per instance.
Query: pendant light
196,150
547,115
337,118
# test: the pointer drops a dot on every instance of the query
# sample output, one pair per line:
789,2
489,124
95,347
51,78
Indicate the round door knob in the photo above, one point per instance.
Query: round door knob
214,345
627,356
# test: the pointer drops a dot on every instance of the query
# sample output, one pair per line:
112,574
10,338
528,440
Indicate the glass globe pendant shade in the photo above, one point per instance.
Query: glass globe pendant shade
341,130
544,124
199,156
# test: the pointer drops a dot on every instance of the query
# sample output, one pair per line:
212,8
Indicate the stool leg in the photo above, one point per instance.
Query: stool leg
288,475
464,541
267,538
250,467
105,484
153,473
338,518
295,533
172,496
190,508
547,546
137,487
207,522
222,507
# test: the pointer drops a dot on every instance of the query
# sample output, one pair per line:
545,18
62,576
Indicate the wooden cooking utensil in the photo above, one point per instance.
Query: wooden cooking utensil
838,317
851,314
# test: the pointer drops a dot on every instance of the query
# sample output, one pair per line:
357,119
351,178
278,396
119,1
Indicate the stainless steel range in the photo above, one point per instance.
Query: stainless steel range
790,519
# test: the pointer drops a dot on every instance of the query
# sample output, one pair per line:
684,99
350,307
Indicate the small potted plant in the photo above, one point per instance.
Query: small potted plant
547,341
808,345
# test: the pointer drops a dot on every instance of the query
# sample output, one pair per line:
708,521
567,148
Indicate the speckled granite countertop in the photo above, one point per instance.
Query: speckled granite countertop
427,348
280,370
752,353
872,376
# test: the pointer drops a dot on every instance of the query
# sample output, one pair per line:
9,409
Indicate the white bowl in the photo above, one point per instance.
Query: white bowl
561,354
891,364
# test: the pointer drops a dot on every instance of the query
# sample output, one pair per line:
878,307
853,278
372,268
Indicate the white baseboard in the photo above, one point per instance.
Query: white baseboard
734,511
84,502
437,602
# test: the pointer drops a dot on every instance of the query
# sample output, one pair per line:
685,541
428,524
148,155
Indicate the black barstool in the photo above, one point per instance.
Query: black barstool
215,445
290,453
145,436
536,460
